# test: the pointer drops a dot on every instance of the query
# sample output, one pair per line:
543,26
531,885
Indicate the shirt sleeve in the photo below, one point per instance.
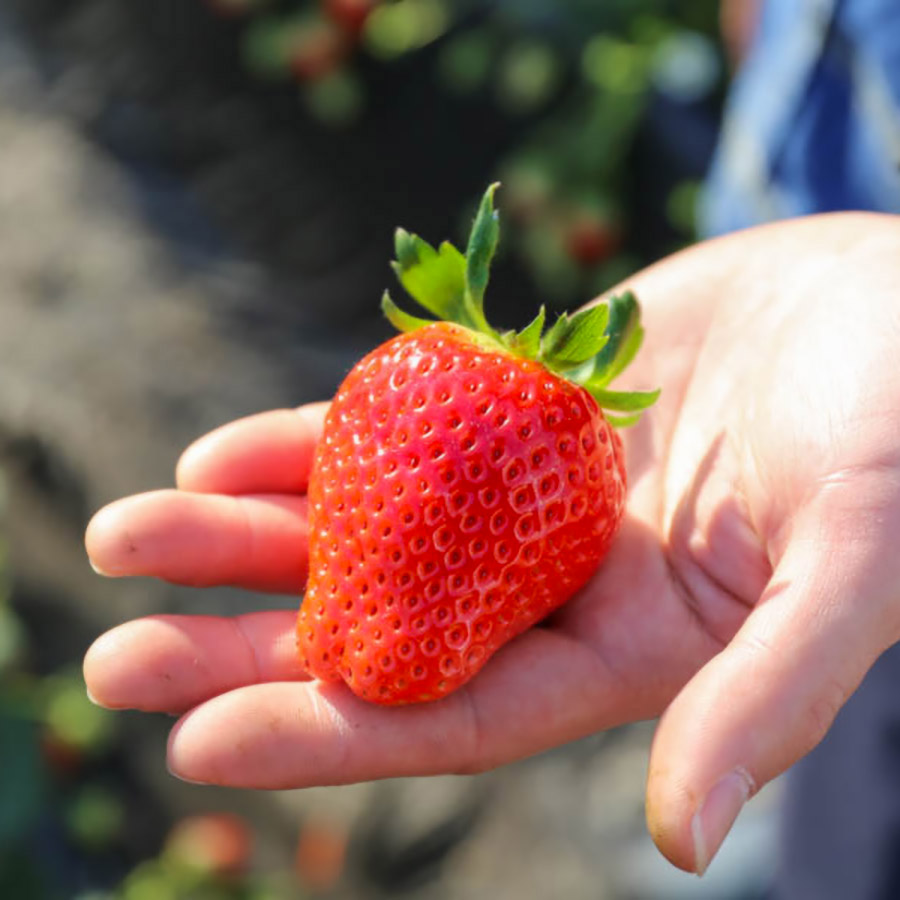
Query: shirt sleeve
812,124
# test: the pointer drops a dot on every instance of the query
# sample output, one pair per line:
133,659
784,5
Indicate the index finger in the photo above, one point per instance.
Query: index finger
269,452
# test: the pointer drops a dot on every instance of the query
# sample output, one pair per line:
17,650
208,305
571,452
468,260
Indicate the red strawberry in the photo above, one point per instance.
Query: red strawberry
219,844
350,14
317,48
467,483
592,239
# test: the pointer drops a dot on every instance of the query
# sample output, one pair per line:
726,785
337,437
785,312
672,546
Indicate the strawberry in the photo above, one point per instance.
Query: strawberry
217,844
592,239
351,15
467,483
317,48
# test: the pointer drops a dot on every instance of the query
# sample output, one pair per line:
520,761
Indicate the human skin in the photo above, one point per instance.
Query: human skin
754,582
739,20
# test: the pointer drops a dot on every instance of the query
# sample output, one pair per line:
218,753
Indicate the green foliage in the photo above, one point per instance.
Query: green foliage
589,347
574,340
479,254
12,637
58,801
572,77
436,279
527,342
625,338
23,783
70,716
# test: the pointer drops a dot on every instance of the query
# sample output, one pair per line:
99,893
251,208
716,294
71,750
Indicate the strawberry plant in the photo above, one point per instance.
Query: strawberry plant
468,482
586,88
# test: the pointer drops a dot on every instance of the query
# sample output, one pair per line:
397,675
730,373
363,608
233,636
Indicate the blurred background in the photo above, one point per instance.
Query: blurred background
197,201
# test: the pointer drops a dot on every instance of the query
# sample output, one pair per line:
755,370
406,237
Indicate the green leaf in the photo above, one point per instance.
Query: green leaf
589,348
401,320
574,340
625,337
407,246
527,342
627,351
625,401
436,279
480,252
623,421
443,281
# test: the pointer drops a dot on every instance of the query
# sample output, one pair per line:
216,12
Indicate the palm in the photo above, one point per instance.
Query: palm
767,397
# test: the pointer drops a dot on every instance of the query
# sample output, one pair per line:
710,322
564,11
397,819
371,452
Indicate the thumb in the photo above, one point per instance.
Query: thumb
770,696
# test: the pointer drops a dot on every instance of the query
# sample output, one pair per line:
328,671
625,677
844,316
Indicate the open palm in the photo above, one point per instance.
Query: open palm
751,587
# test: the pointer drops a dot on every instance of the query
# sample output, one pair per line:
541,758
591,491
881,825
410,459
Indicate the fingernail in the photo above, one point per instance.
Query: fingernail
98,570
92,698
716,815
175,774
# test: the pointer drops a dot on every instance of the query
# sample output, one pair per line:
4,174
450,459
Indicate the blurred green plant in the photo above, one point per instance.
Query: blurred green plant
576,76
23,784
204,857
94,816
48,731
63,811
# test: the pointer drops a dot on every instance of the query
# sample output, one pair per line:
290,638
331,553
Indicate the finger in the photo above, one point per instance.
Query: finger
542,690
270,452
772,694
172,663
256,542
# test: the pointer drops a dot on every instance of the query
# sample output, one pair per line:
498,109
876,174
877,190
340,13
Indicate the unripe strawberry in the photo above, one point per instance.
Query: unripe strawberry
467,483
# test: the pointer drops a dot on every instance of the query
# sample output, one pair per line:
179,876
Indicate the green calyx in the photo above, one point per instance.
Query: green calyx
590,347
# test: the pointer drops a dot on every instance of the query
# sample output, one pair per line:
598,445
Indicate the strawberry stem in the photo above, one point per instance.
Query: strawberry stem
590,347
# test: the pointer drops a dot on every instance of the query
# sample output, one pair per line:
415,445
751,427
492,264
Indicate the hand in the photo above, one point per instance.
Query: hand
753,584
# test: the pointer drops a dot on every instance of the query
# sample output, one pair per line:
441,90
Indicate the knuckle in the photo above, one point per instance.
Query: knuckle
822,711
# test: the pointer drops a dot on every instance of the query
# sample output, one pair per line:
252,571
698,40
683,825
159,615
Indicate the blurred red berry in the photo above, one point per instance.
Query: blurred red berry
317,50
592,239
350,14
61,756
321,854
213,843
